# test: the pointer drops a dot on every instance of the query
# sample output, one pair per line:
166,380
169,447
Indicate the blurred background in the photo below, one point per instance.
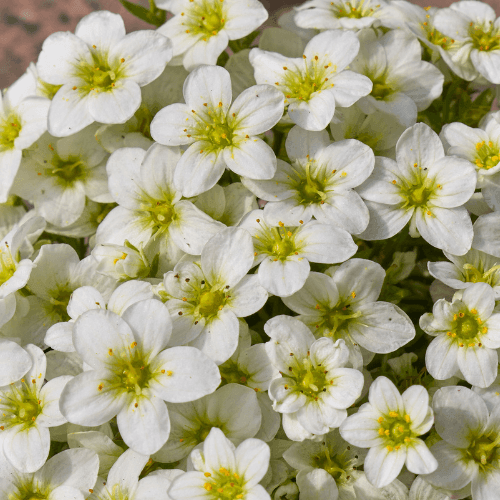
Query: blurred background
26,23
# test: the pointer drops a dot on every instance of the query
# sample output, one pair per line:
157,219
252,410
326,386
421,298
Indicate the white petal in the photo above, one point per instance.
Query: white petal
314,114
361,429
480,296
198,169
50,395
116,106
98,331
252,460
453,471
68,112
251,158
144,428
418,144
383,466
14,362
126,470
208,84
227,257
146,53
124,173
479,365
382,327
449,229
257,110
76,468
27,449
218,451
385,397
83,403
283,278
441,357
61,52
459,414
385,221
169,123
247,297
325,243
487,64
419,459
219,340
102,29
9,165
350,87
317,484
151,326
193,375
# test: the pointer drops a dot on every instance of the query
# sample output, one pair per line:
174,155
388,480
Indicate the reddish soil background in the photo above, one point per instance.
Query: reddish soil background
26,23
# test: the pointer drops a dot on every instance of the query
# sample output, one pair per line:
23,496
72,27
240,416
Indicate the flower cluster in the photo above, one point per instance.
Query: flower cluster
253,265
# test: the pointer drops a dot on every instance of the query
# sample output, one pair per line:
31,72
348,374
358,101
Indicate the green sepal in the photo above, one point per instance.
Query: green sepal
154,16
243,43
222,59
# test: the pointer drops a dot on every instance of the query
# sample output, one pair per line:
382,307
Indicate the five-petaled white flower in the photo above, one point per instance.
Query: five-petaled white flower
220,134
318,81
313,388
423,187
389,424
201,29
133,374
223,471
467,335
101,71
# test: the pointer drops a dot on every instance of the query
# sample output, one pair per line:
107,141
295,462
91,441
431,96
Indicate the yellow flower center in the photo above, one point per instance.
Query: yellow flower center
356,9
487,155
484,37
10,128
204,18
224,485
211,302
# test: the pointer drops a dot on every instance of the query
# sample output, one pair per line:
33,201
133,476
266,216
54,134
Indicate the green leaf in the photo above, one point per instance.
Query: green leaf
243,43
157,17
223,58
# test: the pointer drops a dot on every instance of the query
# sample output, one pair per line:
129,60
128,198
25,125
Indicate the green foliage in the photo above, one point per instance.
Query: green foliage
153,15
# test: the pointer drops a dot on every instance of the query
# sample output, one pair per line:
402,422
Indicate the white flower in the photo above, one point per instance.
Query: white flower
220,135
59,175
344,306
57,274
380,131
98,441
318,183
341,14
480,146
123,480
132,373
232,408
150,206
314,388
69,475
284,253
27,409
467,335
200,30
15,266
318,81
327,469
455,53
469,451
14,362
86,298
207,296
402,83
101,71
135,133
227,204
389,425
477,26
222,469
23,119
423,187
465,270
